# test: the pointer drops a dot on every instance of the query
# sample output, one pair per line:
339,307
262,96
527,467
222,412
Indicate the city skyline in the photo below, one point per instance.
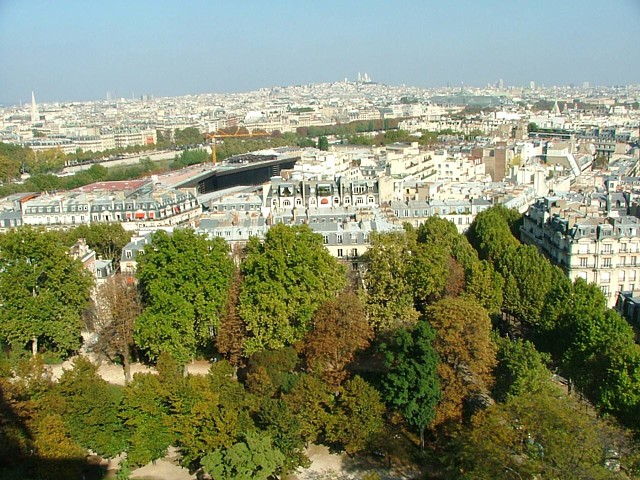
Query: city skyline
79,51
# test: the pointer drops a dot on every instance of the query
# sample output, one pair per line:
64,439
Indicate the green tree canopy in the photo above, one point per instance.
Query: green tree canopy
357,416
410,384
389,295
521,369
42,291
107,239
90,409
145,412
537,435
253,457
491,232
184,281
286,279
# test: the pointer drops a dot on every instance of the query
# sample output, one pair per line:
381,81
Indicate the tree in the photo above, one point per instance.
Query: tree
311,402
42,291
145,412
286,279
107,239
528,276
467,354
255,457
58,455
279,365
118,307
537,435
340,329
520,370
389,296
187,136
184,283
480,279
323,143
90,409
429,273
491,232
202,422
410,384
232,332
276,419
357,416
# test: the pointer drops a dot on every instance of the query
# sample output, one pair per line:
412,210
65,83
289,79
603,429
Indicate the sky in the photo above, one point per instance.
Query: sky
75,50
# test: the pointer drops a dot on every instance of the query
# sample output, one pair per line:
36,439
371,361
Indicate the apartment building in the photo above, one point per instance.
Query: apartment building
148,206
595,241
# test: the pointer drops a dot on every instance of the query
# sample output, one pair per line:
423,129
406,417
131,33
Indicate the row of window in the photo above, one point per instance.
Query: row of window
324,201
340,238
607,292
607,248
608,262
605,277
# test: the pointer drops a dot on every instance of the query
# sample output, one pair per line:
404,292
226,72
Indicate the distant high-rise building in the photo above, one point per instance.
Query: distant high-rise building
35,115
501,84
532,85
585,85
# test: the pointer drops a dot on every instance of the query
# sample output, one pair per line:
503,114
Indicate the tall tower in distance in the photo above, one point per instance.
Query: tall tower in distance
35,115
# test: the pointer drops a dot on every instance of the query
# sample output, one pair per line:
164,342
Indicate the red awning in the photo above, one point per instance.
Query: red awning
139,215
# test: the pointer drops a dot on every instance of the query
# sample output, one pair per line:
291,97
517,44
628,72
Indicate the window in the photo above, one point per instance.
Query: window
339,252
339,238
623,247
127,254
605,277
606,248
583,262
354,252
325,239
633,261
606,263
605,290
623,261
621,276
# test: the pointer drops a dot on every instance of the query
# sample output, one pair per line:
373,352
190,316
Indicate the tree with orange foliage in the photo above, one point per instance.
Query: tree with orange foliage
340,329
467,354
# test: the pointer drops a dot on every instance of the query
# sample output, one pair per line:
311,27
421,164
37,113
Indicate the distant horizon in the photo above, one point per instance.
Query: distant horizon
155,97
77,51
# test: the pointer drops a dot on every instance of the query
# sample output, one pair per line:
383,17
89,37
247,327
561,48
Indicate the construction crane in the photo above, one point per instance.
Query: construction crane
221,135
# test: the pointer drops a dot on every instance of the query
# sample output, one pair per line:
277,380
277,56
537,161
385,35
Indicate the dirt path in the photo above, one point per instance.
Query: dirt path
114,374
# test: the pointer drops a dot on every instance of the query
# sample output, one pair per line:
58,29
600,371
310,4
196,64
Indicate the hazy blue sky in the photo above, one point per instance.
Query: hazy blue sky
78,50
